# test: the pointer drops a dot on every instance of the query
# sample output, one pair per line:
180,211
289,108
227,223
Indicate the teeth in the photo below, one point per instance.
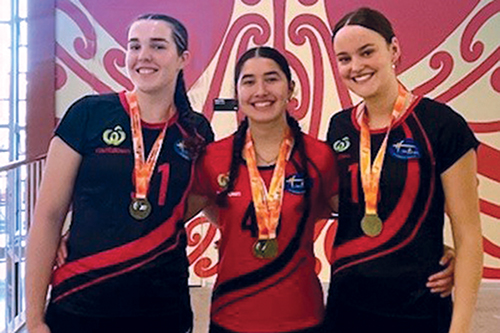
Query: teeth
146,70
262,104
362,78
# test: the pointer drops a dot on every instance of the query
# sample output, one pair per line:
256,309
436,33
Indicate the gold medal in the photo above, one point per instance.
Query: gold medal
266,248
139,208
371,225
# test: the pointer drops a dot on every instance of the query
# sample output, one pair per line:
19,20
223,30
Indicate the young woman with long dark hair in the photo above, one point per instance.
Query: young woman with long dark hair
124,162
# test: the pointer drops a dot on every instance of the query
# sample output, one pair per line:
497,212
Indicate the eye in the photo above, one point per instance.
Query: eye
271,79
367,52
159,46
247,82
343,60
134,46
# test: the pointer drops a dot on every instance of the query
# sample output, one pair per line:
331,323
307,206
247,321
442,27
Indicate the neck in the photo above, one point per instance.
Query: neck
267,138
157,107
379,108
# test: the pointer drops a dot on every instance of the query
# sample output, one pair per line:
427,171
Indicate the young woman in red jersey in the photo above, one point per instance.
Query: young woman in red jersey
268,184
401,158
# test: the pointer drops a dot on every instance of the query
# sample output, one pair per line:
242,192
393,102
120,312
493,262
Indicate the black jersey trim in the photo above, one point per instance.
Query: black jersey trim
266,271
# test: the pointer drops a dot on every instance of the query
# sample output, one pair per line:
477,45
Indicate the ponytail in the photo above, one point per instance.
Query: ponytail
195,144
236,160
298,137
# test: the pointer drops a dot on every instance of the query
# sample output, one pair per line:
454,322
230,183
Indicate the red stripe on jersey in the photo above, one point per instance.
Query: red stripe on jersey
144,124
117,273
131,250
402,118
397,218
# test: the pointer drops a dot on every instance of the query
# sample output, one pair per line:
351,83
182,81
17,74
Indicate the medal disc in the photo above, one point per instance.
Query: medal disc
139,208
266,248
371,225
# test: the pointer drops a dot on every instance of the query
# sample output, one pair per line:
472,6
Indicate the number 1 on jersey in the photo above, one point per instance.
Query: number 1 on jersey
354,171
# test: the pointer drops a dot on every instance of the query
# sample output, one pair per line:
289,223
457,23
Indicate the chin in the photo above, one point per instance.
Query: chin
363,92
267,120
147,89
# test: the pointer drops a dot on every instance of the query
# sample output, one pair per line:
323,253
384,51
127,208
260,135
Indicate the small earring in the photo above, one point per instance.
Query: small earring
393,66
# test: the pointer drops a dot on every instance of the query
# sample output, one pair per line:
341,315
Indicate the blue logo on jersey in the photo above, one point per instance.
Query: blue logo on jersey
296,184
405,149
180,148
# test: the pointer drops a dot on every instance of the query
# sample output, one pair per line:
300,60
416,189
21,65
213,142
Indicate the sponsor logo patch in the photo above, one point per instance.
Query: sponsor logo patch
405,149
180,148
114,137
223,180
296,184
342,145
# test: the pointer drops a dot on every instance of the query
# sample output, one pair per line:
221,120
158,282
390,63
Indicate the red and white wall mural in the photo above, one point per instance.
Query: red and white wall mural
450,52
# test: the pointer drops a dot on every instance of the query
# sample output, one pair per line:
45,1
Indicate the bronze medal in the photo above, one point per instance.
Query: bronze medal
371,225
139,208
266,248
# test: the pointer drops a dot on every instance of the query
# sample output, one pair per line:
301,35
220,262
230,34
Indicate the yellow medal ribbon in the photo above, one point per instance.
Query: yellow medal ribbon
268,203
370,175
140,208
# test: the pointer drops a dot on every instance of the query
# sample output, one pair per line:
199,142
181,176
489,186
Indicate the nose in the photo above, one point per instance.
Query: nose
261,88
356,64
144,54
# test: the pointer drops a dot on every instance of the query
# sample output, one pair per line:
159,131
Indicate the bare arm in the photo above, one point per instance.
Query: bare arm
197,203
50,211
460,188
334,203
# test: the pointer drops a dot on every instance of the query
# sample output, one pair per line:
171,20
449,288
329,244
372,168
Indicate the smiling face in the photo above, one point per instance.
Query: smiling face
152,59
263,90
365,60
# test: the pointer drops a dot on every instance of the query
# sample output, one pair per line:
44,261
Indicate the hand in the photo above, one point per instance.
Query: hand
442,282
62,250
40,328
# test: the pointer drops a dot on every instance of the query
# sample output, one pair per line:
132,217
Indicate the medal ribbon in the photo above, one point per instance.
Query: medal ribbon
268,203
370,176
143,170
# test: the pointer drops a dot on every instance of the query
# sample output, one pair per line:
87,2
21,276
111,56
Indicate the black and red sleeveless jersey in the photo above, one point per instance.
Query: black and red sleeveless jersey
387,274
261,295
119,266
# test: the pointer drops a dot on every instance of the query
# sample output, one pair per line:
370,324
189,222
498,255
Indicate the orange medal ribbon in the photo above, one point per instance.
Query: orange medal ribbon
268,203
370,175
140,208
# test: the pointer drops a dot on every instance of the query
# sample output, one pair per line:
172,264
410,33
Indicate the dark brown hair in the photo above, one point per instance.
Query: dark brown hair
367,18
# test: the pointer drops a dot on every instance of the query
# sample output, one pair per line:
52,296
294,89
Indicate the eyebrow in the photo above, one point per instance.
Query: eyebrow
271,73
359,49
154,39
265,74
366,46
247,76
